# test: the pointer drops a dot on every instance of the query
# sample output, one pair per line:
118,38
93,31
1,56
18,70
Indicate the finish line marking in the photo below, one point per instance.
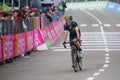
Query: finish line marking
102,30
105,44
83,25
95,25
107,25
118,25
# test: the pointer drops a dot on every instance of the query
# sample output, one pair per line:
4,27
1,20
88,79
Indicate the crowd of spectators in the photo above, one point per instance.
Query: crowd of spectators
14,22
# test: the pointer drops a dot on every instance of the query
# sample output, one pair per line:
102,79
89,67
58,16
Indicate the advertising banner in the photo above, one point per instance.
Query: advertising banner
29,40
53,33
56,28
44,32
17,36
111,6
8,47
118,9
38,39
60,27
50,36
20,45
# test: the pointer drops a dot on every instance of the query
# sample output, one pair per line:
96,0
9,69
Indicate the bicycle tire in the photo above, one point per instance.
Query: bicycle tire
76,66
80,64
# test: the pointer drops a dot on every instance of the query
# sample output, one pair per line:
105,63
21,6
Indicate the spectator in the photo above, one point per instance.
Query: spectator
56,14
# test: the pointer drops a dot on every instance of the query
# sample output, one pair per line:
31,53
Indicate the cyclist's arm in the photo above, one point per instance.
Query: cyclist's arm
65,35
77,32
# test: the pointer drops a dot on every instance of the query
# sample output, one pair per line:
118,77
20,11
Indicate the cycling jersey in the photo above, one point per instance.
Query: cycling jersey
71,29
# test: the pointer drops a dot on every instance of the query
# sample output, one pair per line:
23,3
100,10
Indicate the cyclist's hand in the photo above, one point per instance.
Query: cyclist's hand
78,39
64,44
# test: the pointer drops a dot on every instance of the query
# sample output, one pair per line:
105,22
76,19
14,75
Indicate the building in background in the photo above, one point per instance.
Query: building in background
31,3
49,3
18,3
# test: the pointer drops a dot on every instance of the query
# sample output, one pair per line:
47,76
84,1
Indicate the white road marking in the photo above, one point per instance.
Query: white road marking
91,78
107,54
118,25
95,25
105,65
107,61
96,74
107,25
83,25
101,70
107,58
103,35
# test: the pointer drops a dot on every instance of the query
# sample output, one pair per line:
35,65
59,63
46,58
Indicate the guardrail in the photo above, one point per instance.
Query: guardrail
18,41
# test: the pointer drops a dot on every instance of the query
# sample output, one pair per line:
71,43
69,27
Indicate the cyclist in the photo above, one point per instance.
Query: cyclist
72,27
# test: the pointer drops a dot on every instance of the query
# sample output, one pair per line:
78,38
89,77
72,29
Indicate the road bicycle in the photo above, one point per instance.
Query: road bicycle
77,61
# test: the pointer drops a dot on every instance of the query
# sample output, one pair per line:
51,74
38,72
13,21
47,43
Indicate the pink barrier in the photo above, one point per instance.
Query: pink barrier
56,28
38,39
60,25
22,44
44,32
15,45
8,47
29,41
49,35
53,33
0,51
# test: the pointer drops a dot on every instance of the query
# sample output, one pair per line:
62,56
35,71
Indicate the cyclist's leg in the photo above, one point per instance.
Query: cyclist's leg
78,46
77,43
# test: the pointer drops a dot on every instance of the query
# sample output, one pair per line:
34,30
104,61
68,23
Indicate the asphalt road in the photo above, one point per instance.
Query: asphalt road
101,46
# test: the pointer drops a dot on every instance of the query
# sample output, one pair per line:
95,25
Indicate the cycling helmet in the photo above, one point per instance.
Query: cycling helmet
68,18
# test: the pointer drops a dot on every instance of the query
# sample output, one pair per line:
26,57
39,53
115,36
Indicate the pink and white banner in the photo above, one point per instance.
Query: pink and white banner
30,40
44,32
8,47
50,37
56,28
53,33
22,44
0,51
38,39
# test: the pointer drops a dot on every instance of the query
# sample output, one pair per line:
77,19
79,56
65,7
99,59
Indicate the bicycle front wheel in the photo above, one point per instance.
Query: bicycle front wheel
80,64
76,65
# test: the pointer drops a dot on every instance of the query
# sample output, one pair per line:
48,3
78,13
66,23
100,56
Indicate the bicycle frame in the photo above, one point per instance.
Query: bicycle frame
76,57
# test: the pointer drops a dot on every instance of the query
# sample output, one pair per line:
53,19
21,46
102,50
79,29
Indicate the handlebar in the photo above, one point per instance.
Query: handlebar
64,44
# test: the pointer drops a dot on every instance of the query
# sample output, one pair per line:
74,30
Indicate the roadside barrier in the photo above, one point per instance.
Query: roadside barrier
39,38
